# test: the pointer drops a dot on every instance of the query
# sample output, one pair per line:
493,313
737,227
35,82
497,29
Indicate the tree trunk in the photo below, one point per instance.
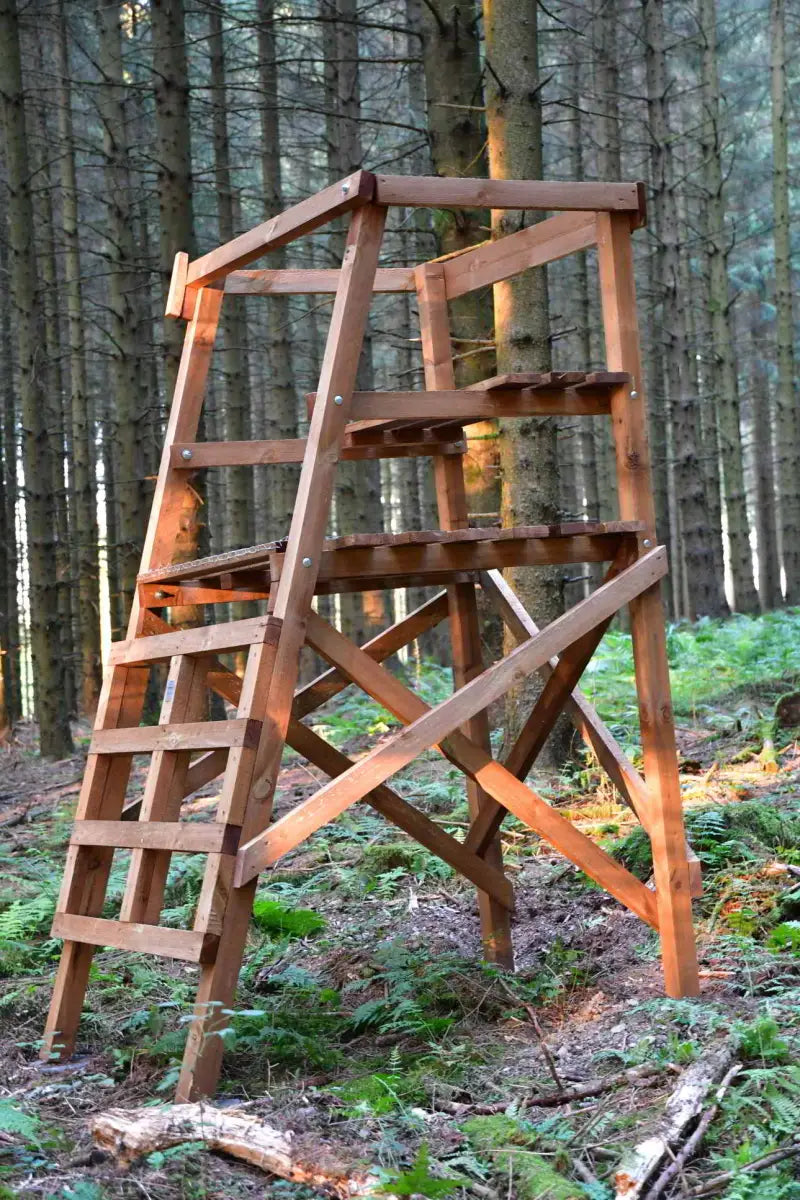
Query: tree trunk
788,422
239,497
528,452
704,586
129,409
279,402
173,156
83,467
37,451
723,365
8,513
763,422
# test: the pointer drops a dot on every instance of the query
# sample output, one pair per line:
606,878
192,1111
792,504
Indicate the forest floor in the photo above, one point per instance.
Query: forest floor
366,1021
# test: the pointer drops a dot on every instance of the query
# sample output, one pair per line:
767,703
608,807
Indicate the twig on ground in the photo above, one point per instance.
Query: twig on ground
717,1182
534,1020
581,1091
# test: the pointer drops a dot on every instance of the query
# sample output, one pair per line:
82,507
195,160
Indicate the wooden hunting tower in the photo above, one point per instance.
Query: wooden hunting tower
188,750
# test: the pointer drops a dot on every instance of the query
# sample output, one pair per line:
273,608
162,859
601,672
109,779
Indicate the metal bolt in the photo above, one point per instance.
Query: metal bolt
634,395
647,543
346,187
461,445
160,595
186,455
306,562
338,400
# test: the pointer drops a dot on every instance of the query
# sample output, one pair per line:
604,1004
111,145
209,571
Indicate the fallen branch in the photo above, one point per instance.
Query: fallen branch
682,1109
717,1182
581,1091
131,1134
690,1147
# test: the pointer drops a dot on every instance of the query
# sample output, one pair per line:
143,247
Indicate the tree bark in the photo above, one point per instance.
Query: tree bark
788,421
723,364
280,402
83,466
528,449
704,586
37,451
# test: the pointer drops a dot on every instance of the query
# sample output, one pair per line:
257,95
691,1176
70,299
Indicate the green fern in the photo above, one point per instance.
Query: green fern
27,916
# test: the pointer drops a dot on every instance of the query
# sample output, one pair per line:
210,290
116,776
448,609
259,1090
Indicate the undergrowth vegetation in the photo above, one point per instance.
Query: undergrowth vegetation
364,1001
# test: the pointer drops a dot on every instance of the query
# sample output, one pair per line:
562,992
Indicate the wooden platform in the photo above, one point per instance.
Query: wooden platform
372,560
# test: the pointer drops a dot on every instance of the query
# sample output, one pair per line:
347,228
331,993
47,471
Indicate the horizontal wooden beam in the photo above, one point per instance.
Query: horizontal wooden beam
435,192
288,282
544,242
466,407
178,836
191,735
302,218
191,456
186,944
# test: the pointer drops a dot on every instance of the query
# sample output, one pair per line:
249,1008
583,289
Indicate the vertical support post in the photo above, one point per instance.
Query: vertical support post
629,426
464,625
272,670
122,698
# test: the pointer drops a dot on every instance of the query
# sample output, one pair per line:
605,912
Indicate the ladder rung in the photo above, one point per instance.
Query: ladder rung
207,639
194,735
180,836
187,944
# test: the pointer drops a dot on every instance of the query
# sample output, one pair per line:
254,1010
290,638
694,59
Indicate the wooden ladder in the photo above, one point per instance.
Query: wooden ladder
247,748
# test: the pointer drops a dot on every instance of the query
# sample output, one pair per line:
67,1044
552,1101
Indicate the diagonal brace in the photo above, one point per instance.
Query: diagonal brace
433,725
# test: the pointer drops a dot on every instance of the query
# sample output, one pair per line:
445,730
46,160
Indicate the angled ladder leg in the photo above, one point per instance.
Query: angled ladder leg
122,699
272,675
628,415
464,624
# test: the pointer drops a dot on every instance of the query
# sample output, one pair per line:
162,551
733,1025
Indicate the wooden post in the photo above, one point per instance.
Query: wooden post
465,635
629,424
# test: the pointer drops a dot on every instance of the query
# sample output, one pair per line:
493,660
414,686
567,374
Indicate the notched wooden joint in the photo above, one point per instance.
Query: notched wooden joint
177,286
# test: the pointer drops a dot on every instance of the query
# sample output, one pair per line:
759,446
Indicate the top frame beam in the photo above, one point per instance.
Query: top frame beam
349,193
436,192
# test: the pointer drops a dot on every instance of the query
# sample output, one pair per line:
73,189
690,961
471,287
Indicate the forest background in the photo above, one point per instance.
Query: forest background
134,130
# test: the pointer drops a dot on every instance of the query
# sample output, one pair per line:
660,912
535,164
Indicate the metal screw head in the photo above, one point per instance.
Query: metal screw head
338,399
160,595
461,445
346,187
634,395
647,543
186,455
306,562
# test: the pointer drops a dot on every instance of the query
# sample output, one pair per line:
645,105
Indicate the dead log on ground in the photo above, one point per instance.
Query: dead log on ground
128,1134
683,1108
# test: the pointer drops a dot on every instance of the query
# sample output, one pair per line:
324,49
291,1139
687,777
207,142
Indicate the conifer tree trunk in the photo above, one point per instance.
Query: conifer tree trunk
788,420
37,450
457,135
9,563
84,516
763,423
278,403
236,403
129,409
704,586
173,156
723,373
528,454
358,486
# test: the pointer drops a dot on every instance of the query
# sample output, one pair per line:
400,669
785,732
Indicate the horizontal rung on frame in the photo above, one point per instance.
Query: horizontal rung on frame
208,639
193,735
187,944
178,836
